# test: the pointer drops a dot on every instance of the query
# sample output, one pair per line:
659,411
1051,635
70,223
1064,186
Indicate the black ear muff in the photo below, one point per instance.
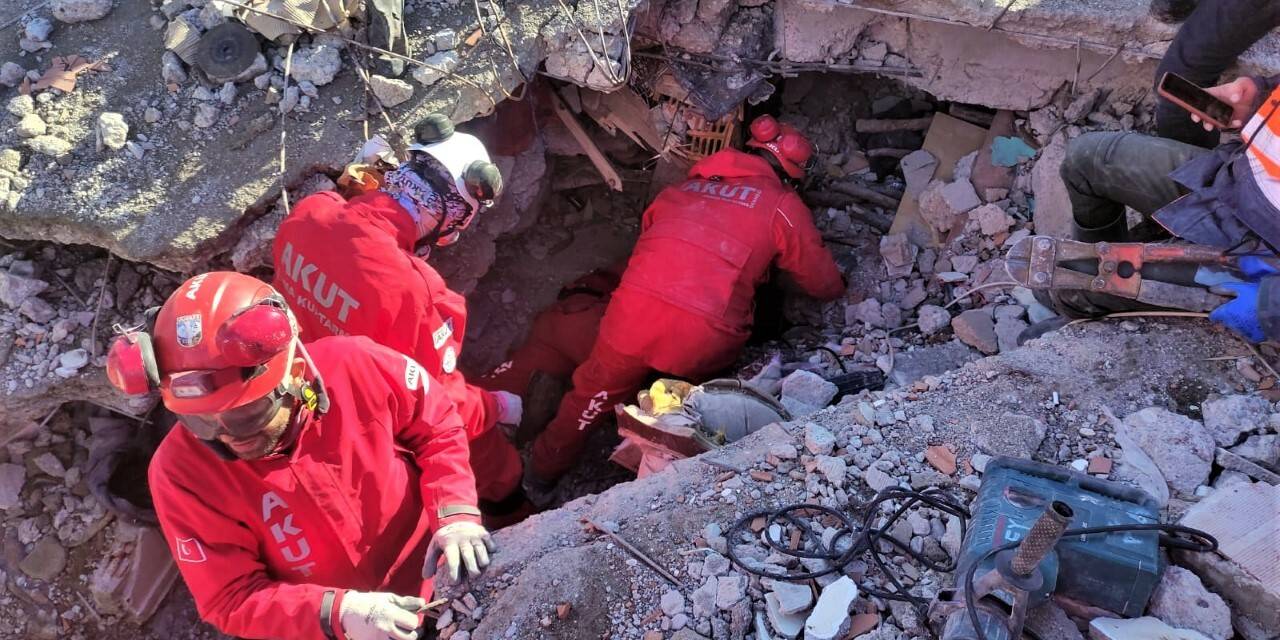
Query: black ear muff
483,180
148,354
148,351
436,127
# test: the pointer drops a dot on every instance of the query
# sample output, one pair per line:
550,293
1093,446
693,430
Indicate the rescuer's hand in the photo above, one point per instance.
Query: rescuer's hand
1241,94
380,616
460,543
510,410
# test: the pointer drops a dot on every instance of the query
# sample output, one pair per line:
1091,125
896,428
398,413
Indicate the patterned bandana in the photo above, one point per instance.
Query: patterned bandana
426,205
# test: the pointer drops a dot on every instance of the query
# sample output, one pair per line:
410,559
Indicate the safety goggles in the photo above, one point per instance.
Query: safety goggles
240,423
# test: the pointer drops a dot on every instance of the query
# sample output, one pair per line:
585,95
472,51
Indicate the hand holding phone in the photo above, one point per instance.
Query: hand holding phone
1225,106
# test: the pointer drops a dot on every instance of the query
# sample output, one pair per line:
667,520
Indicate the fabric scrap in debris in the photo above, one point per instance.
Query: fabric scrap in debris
1008,151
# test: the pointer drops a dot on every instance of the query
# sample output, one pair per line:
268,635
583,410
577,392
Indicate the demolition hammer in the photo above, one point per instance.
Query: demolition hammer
1019,551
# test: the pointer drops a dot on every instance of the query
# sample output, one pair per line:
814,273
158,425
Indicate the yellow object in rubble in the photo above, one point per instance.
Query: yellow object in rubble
359,178
664,400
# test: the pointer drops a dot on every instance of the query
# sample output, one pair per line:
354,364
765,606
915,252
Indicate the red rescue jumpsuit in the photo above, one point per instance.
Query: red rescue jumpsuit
353,505
347,268
685,303
561,336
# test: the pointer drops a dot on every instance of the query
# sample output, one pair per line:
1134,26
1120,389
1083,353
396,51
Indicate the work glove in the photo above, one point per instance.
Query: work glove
380,616
460,543
1241,313
510,408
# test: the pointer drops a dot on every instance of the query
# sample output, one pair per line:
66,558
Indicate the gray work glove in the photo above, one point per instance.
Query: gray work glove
380,616
459,543
510,411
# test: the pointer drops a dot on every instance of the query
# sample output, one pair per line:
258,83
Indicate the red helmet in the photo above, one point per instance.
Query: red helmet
787,145
220,342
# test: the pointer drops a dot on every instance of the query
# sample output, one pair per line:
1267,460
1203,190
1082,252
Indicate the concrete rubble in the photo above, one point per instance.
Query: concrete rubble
682,517
119,180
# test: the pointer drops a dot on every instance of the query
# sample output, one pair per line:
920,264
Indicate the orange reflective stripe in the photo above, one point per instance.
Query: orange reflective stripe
1271,166
1267,107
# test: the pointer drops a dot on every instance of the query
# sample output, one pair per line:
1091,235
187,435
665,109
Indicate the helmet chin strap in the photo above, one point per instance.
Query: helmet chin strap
307,397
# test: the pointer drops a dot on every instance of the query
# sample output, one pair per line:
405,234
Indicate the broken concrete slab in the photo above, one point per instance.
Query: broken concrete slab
171,209
818,441
949,44
1052,214
1179,446
804,392
1245,518
899,254
932,319
1182,601
46,560
829,619
918,169
977,328
930,361
793,598
549,555
948,140
1146,628
1230,417
1011,434
786,625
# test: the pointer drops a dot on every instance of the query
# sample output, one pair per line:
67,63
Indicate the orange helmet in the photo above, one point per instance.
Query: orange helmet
784,142
221,343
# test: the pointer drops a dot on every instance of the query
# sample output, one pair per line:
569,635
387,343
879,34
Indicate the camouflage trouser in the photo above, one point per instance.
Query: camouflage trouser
1105,172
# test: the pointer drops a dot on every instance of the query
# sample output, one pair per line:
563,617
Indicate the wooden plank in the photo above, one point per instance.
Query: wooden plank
589,147
949,139
623,110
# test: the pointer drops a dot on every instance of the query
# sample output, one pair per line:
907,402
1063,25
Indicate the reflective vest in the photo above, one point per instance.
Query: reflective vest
1262,133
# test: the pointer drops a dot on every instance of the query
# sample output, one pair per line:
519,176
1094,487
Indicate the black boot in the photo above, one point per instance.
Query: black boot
1172,11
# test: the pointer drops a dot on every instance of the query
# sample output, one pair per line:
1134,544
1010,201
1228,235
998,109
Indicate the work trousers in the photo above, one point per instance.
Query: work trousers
1209,42
497,467
1105,172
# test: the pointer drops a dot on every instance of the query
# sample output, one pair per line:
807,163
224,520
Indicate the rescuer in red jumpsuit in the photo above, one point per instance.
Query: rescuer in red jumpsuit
309,491
684,305
561,336
348,267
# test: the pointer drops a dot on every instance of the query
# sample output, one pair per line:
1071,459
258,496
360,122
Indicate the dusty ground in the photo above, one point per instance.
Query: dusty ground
177,207
549,559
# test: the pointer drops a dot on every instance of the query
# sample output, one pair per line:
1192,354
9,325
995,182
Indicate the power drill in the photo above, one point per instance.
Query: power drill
1032,504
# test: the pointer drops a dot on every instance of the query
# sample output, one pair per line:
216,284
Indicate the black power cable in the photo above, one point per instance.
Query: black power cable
865,537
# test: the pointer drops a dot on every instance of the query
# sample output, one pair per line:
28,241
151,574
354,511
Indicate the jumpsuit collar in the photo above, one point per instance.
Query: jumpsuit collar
731,163
386,213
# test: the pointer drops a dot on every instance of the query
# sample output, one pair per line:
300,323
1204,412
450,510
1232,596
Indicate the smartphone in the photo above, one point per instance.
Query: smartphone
1187,95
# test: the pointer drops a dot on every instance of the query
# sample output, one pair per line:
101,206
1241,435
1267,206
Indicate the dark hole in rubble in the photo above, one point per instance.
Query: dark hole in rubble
1189,396
583,225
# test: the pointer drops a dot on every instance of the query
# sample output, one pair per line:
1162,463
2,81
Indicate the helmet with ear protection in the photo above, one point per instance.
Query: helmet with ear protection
463,156
790,148
220,341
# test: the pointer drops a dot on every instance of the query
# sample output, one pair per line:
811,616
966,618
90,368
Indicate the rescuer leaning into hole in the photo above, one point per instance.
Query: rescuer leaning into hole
684,303
348,267
310,491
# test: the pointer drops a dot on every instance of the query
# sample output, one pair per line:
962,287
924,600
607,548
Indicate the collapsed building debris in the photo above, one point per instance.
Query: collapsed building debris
929,169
